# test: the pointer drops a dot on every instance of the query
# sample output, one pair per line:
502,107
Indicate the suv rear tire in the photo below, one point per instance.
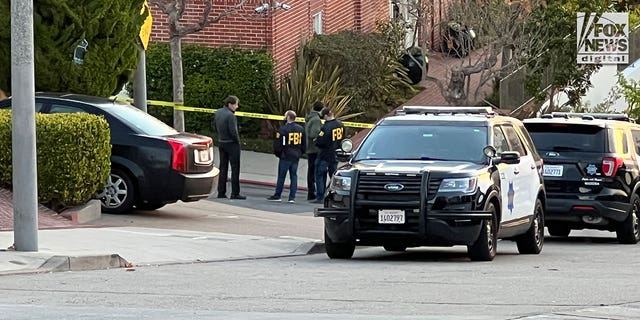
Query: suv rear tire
629,230
484,249
532,241
338,250
559,230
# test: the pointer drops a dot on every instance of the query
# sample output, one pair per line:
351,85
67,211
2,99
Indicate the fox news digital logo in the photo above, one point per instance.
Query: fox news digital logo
603,39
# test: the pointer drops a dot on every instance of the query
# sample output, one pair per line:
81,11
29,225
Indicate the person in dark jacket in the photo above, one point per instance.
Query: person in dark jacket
329,139
312,126
226,126
288,146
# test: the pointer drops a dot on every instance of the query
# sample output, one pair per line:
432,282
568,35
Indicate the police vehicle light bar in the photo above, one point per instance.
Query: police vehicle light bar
588,116
445,110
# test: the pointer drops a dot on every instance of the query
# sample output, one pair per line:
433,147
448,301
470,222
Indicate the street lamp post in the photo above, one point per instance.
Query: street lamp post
23,141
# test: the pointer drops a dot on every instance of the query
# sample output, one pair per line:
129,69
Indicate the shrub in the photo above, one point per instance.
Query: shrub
110,27
371,72
210,75
73,156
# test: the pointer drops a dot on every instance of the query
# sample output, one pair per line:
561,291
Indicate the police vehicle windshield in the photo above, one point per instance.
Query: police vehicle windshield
420,142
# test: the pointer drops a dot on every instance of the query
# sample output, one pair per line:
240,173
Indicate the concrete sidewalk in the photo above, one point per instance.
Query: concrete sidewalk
83,247
262,169
104,248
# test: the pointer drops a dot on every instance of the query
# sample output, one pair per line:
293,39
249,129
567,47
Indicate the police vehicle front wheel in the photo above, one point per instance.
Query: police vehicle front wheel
484,249
531,242
338,250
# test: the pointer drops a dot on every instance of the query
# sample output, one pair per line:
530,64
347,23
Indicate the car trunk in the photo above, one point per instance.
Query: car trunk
573,156
192,153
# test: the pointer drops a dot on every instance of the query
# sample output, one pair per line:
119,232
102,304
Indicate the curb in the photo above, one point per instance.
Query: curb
113,261
269,184
83,263
74,263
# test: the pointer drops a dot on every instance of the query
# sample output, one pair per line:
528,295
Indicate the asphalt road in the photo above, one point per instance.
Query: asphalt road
578,278
586,276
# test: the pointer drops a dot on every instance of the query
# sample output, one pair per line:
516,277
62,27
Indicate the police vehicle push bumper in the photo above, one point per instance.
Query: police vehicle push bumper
418,227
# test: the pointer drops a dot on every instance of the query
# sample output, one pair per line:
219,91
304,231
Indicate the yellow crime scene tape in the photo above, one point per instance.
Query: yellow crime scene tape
178,106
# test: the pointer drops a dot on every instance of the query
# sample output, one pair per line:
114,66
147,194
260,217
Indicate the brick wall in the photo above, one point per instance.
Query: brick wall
280,33
371,12
339,15
244,28
440,9
289,29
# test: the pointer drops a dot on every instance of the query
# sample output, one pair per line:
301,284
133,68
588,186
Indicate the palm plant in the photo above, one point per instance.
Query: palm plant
307,83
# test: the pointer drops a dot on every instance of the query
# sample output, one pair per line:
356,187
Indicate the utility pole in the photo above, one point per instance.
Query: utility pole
23,128
140,77
140,83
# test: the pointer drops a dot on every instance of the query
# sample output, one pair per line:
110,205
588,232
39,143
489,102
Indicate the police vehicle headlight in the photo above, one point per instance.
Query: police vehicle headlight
341,183
464,185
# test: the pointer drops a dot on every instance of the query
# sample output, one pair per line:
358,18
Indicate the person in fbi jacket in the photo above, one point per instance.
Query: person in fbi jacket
288,146
329,139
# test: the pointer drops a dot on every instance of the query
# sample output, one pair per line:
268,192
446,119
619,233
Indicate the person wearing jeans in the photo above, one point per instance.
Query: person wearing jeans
329,139
311,130
288,146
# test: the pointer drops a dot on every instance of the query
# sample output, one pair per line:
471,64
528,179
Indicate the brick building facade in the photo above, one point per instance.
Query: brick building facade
279,32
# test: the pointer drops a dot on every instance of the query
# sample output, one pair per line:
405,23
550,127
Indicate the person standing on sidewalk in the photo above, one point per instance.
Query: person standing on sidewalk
226,126
329,139
312,129
288,146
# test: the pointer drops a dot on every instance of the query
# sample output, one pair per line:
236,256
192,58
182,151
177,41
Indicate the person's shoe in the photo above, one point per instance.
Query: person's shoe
222,196
311,198
274,198
238,197
317,201
292,201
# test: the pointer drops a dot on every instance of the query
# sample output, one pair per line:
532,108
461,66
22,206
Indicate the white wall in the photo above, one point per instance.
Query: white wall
603,81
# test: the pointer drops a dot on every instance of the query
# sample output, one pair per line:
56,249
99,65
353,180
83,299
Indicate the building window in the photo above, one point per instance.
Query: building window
317,23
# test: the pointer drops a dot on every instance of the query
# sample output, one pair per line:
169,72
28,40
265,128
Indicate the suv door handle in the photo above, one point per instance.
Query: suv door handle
516,171
533,167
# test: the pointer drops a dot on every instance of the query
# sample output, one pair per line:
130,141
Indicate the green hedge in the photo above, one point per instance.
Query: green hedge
210,75
73,156
111,27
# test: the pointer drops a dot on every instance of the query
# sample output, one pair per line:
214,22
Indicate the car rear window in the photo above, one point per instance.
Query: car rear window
567,137
140,121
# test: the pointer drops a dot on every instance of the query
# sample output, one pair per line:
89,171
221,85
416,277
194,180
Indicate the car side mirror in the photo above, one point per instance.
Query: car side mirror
510,157
344,153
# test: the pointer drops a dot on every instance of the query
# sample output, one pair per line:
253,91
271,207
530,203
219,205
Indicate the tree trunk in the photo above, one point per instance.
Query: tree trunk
178,81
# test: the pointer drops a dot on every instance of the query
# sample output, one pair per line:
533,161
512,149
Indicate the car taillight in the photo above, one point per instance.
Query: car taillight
179,159
610,165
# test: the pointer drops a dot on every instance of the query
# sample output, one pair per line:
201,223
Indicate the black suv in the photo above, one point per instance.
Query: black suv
439,176
590,172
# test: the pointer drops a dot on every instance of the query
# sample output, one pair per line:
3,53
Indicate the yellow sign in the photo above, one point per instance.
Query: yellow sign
145,31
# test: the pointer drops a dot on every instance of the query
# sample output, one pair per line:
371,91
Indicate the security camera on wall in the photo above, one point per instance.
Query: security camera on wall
284,6
262,8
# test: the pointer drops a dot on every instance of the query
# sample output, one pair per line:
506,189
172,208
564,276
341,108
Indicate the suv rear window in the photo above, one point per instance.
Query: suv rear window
567,137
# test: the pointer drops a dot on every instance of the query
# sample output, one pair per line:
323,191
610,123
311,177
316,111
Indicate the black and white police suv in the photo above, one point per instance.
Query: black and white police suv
591,172
437,176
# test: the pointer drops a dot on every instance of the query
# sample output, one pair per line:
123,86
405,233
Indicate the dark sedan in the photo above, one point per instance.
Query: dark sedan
151,163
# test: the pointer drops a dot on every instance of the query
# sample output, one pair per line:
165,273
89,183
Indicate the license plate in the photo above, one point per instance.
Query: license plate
203,156
552,171
391,217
